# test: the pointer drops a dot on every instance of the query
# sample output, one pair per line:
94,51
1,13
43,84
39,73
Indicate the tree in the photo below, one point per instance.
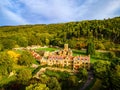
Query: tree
47,41
72,43
23,76
13,55
44,79
111,55
109,45
90,48
72,81
115,78
6,64
26,59
1,47
102,71
21,40
100,46
83,73
37,86
53,84
101,68
8,43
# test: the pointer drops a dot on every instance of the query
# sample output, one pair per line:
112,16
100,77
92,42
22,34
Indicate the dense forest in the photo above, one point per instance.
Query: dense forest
104,33
84,37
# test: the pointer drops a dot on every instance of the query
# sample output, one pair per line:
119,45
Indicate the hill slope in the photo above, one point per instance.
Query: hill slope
106,34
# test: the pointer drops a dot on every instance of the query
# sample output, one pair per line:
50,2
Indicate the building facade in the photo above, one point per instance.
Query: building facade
64,58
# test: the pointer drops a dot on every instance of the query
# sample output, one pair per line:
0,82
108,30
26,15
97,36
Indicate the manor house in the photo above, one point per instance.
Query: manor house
65,58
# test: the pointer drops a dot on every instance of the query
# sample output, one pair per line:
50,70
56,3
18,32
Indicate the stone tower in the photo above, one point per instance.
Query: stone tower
66,47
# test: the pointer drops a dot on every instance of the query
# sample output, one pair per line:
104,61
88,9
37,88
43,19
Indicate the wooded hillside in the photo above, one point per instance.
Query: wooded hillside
105,33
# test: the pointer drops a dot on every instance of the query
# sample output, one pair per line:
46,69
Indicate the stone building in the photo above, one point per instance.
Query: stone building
64,58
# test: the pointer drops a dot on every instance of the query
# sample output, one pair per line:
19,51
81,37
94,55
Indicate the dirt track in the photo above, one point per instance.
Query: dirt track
89,80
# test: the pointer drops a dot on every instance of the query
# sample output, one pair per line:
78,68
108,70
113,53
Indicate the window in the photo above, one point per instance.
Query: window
64,61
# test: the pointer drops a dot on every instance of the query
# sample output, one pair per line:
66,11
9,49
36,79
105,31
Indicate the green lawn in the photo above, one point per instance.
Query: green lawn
46,49
78,52
96,58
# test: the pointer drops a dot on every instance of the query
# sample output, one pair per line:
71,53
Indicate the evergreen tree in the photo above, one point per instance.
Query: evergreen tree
90,48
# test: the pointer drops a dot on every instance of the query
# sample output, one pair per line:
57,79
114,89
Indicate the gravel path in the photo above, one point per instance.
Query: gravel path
89,80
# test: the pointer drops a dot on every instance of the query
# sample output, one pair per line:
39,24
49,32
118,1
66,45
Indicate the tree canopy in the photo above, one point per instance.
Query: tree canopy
105,32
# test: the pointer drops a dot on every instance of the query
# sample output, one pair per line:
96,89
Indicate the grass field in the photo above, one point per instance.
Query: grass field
46,49
78,52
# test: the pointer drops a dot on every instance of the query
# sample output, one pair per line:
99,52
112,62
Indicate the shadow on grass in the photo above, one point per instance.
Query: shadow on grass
78,52
99,58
